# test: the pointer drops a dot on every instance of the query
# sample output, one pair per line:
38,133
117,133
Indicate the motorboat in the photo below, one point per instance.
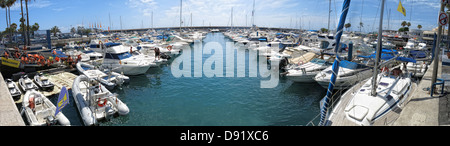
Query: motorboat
26,84
92,54
307,71
43,83
39,111
110,79
95,102
349,74
423,59
119,58
415,45
13,89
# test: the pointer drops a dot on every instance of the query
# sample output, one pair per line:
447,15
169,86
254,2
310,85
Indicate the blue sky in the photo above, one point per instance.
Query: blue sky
307,14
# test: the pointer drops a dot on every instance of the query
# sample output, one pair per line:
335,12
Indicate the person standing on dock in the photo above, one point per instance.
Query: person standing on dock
157,53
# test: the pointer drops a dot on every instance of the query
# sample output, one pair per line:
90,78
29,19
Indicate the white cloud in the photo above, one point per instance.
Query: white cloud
218,12
145,7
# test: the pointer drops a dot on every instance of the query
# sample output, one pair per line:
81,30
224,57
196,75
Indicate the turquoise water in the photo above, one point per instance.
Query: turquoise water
160,99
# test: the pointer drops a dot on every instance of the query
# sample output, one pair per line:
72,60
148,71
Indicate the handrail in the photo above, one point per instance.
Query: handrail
442,83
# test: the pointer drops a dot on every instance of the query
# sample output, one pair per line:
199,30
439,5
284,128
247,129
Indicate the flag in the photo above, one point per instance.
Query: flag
63,100
401,9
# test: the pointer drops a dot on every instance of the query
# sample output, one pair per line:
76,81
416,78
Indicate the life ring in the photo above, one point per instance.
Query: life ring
300,63
169,47
101,104
384,69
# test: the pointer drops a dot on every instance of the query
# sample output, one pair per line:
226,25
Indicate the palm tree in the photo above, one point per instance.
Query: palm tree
22,25
348,25
403,23
28,21
13,29
361,25
408,24
10,3
419,26
55,30
34,28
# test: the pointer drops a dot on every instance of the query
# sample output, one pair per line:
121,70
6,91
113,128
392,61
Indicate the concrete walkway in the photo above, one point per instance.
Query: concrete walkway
9,114
422,109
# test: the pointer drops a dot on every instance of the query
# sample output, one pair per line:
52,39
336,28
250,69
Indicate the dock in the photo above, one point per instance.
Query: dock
9,114
424,110
59,79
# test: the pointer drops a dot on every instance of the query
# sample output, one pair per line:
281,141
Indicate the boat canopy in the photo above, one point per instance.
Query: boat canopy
111,44
59,54
417,54
351,65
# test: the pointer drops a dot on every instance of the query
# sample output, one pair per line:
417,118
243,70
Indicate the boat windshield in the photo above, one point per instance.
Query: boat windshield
119,56
318,61
29,85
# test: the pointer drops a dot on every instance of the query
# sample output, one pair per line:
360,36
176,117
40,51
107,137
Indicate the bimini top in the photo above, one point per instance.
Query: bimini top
417,54
351,65
111,44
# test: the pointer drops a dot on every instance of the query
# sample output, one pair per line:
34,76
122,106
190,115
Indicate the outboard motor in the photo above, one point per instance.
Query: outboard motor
283,64
165,56
50,121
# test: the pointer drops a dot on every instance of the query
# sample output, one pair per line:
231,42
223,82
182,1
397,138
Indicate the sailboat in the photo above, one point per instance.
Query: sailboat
373,101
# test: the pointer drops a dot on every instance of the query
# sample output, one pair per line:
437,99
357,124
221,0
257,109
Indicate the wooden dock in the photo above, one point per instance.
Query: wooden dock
59,79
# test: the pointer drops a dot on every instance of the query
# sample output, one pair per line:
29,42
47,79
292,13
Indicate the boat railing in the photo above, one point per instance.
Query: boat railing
335,98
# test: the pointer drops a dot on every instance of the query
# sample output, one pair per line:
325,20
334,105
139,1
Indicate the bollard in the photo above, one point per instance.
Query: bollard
442,83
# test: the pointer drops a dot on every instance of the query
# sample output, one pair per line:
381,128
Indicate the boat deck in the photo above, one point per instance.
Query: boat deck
340,119
59,79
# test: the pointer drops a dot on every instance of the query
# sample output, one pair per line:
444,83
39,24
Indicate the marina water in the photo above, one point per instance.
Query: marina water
160,99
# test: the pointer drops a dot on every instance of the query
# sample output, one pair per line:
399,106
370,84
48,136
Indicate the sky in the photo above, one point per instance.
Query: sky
305,14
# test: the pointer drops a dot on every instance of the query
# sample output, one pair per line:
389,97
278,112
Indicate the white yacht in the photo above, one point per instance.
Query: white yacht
306,72
108,79
120,59
350,73
415,45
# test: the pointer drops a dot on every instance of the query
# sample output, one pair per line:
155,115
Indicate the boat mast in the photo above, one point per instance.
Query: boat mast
253,15
335,69
378,55
231,18
329,14
181,13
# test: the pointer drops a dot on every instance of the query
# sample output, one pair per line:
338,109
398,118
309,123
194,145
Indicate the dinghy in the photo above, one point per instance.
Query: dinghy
95,102
39,111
